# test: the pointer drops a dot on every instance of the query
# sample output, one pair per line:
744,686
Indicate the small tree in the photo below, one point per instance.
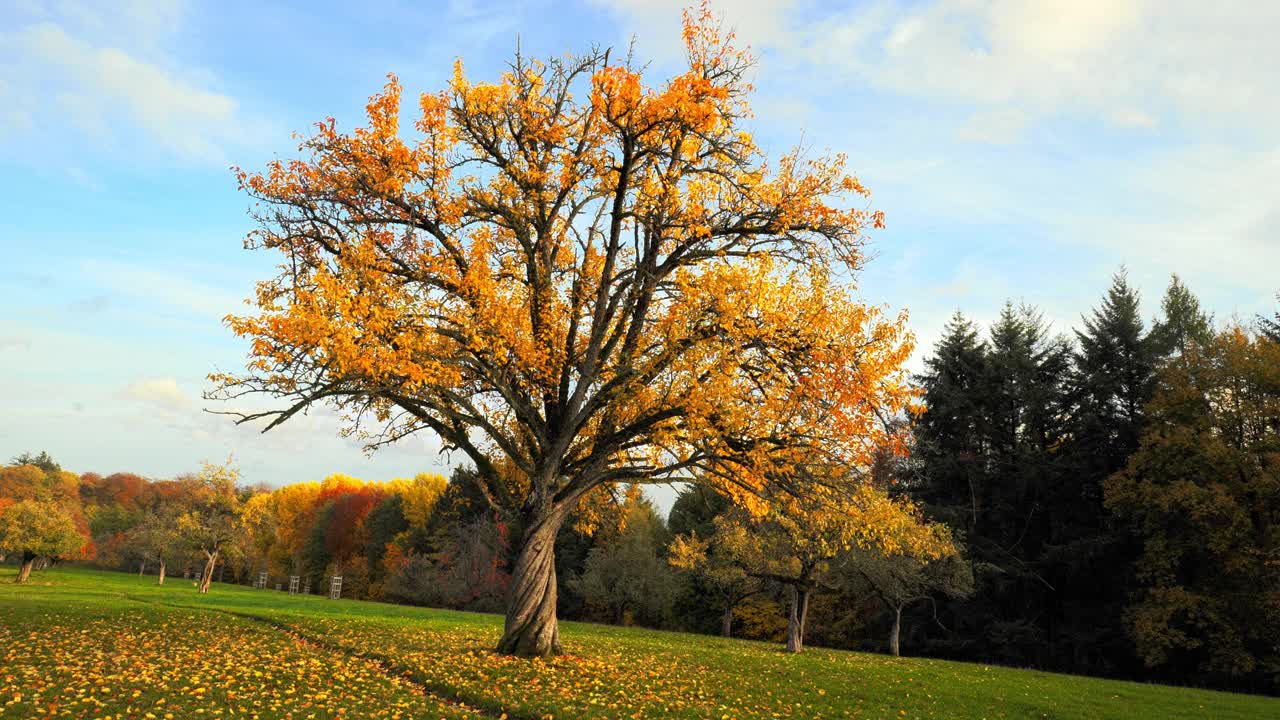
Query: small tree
211,522
900,580
719,570
43,460
38,528
625,576
798,546
158,537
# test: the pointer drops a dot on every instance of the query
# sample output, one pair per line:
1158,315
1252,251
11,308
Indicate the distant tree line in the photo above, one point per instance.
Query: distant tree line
1103,503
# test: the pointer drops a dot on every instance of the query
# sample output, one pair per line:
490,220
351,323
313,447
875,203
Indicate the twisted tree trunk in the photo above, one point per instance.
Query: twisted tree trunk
531,629
161,582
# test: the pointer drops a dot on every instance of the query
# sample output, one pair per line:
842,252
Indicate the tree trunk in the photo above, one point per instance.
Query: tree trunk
795,625
28,560
531,629
893,634
726,621
161,581
142,567
207,576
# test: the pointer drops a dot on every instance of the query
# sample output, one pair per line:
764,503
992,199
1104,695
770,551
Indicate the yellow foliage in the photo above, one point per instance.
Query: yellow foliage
419,496
580,278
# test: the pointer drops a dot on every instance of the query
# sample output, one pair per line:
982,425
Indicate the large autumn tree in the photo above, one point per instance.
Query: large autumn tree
577,279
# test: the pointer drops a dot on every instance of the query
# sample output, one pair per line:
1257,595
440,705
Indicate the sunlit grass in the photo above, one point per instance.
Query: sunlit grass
80,643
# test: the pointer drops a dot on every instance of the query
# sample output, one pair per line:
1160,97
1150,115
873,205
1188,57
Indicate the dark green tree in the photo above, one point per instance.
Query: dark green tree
987,460
1111,384
1269,327
42,460
951,435
1184,322
625,579
315,552
695,510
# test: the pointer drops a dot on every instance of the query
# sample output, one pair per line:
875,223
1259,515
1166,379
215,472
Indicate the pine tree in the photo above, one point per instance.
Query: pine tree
950,435
1270,327
993,422
1183,323
1114,369
1111,384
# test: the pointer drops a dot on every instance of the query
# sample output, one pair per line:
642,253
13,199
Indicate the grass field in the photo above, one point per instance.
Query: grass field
88,644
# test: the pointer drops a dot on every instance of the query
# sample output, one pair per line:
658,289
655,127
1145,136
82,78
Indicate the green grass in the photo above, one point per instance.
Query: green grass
90,644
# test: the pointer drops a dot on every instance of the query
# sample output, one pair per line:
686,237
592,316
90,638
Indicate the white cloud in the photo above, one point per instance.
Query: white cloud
1136,130
161,393
1131,63
13,343
106,74
1201,211
1127,62
656,23
84,179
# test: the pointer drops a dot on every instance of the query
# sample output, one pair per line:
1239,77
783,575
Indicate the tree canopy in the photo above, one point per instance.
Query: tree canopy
38,528
577,279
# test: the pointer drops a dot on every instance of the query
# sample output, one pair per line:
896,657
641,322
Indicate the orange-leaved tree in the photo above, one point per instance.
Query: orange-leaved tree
577,279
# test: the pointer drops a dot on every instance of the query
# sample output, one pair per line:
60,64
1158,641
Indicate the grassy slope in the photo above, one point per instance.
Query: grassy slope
267,653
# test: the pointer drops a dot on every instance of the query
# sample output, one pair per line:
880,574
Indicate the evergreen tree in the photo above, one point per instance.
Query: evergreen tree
950,436
625,579
43,460
385,521
986,444
1270,327
1114,368
1111,384
1183,322
695,510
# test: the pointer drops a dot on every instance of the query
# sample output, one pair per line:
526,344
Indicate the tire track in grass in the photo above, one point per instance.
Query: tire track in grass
381,663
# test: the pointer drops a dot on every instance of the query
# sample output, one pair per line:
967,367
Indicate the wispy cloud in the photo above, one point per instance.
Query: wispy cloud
163,287
1125,62
107,75
160,393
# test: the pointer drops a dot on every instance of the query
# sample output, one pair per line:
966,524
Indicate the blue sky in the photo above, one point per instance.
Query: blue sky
1022,149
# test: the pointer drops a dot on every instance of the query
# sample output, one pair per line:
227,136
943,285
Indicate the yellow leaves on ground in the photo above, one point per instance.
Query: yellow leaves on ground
73,646
151,663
